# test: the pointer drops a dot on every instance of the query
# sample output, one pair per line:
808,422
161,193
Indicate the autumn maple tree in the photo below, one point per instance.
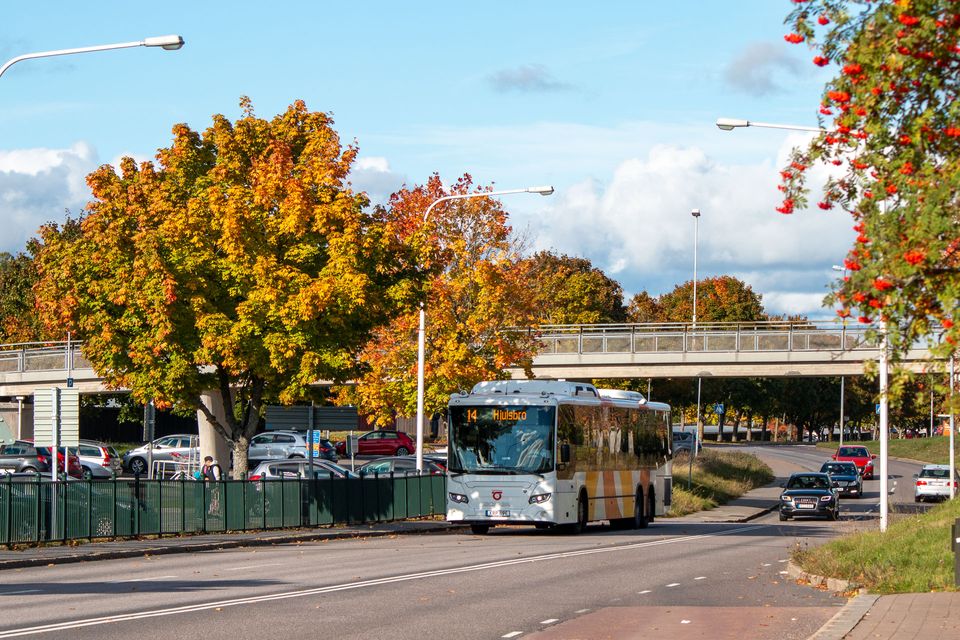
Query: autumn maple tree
240,263
892,131
18,320
719,299
570,290
475,294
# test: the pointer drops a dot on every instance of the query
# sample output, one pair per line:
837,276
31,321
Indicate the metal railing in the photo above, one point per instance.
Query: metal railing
39,510
705,337
23,357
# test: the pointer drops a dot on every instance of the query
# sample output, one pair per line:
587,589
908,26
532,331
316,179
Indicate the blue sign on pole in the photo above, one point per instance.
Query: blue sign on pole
718,408
878,408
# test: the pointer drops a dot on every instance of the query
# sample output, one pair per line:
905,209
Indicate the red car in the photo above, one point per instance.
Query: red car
383,443
860,457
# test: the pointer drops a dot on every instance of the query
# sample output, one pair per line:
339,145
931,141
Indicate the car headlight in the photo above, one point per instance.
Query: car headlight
826,498
459,497
786,498
539,498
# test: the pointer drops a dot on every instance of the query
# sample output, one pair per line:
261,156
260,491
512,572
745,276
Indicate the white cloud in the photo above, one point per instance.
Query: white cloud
373,175
755,70
37,186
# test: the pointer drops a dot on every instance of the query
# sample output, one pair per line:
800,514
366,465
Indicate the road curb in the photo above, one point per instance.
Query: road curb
846,619
114,554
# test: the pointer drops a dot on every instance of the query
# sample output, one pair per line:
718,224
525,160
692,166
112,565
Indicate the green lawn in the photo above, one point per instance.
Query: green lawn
718,477
912,556
935,450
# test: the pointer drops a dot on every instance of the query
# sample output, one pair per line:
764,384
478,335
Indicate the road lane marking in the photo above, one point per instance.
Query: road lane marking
349,586
13,593
644,592
581,610
512,634
550,621
765,564
674,584
254,566
141,579
700,578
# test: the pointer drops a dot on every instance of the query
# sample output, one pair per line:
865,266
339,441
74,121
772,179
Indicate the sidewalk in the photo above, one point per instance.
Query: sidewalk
106,550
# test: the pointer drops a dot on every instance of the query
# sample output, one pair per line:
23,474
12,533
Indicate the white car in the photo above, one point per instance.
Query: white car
933,483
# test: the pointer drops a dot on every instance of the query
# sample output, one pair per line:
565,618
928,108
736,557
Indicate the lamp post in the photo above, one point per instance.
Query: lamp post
844,271
421,336
696,241
729,124
170,43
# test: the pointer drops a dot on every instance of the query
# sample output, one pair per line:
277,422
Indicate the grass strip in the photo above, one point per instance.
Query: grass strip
912,556
935,450
718,477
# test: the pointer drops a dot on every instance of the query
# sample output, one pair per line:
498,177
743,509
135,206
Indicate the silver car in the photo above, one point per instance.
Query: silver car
933,483
177,448
293,469
277,445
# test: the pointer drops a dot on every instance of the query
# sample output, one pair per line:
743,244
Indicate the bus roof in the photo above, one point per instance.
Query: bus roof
534,387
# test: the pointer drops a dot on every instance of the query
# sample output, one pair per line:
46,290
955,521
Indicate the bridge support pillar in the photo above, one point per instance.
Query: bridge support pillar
211,442
17,417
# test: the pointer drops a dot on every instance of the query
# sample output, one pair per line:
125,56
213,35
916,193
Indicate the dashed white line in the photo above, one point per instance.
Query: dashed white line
700,578
142,579
674,584
783,573
254,566
645,591
784,560
581,610
550,621
512,634
13,593
684,622
765,564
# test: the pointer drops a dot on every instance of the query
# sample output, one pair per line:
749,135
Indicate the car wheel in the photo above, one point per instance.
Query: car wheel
402,451
138,466
479,529
834,515
784,517
917,499
87,473
30,470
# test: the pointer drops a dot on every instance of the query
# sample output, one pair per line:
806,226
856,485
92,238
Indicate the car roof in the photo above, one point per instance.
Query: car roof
808,473
937,466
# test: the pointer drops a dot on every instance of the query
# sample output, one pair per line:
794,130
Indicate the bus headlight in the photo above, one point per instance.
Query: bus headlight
459,497
539,498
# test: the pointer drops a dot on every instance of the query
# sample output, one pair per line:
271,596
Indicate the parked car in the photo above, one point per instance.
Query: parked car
98,460
402,465
23,456
845,477
280,445
933,483
859,456
384,442
291,469
809,494
180,447
683,441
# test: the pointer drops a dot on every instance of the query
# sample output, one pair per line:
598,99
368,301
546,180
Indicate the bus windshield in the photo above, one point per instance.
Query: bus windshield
501,439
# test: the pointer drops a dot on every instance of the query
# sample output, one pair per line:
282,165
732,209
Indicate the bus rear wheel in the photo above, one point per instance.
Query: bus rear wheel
639,511
479,529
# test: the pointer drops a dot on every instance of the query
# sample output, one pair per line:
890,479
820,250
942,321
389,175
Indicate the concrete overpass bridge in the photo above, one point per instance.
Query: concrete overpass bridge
756,349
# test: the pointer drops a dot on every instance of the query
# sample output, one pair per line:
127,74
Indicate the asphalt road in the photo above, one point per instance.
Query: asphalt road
680,577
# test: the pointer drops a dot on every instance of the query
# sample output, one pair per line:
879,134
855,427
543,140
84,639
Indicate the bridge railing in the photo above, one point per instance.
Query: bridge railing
704,337
23,357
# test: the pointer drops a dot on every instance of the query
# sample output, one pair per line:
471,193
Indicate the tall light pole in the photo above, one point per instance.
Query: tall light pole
844,271
170,43
421,335
729,124
699,437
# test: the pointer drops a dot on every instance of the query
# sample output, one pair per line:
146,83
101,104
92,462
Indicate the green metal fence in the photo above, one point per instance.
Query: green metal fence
39,510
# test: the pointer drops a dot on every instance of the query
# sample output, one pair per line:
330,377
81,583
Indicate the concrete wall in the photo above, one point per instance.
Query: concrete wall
18,427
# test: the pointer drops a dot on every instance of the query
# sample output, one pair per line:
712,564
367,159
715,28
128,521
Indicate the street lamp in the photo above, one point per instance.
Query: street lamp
696,240
844,271
421,338
170,43
729,124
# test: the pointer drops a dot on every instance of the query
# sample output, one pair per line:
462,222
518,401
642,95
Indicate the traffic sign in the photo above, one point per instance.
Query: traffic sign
56,417
718,408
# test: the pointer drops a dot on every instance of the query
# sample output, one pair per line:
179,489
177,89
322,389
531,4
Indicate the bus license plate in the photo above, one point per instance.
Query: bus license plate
497,513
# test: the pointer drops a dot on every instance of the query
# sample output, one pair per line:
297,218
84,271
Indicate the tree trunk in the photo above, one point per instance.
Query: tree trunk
735,436
241,463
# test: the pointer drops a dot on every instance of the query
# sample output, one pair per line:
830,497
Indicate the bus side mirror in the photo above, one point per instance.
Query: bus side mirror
564,453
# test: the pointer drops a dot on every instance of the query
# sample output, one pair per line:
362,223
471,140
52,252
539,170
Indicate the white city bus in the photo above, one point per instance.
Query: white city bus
547,453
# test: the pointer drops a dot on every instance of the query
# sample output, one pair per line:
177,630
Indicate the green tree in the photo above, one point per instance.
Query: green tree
18,319
719,299
893,131
572,291
241,263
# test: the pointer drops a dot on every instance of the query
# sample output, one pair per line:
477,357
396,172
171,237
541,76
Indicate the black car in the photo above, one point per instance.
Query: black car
809,494
844,477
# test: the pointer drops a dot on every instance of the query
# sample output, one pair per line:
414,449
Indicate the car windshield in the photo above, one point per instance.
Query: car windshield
935,473
502,439
853,452
839,468
808,482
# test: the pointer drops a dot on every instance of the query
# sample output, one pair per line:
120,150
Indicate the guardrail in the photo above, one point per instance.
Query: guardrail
704,337
23,357
38,510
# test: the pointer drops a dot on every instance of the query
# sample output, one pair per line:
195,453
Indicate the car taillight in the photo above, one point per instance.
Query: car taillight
106,456
324,449
255,478
41,459
921,483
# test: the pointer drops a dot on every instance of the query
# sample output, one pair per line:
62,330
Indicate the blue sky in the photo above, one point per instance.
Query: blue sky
613,103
